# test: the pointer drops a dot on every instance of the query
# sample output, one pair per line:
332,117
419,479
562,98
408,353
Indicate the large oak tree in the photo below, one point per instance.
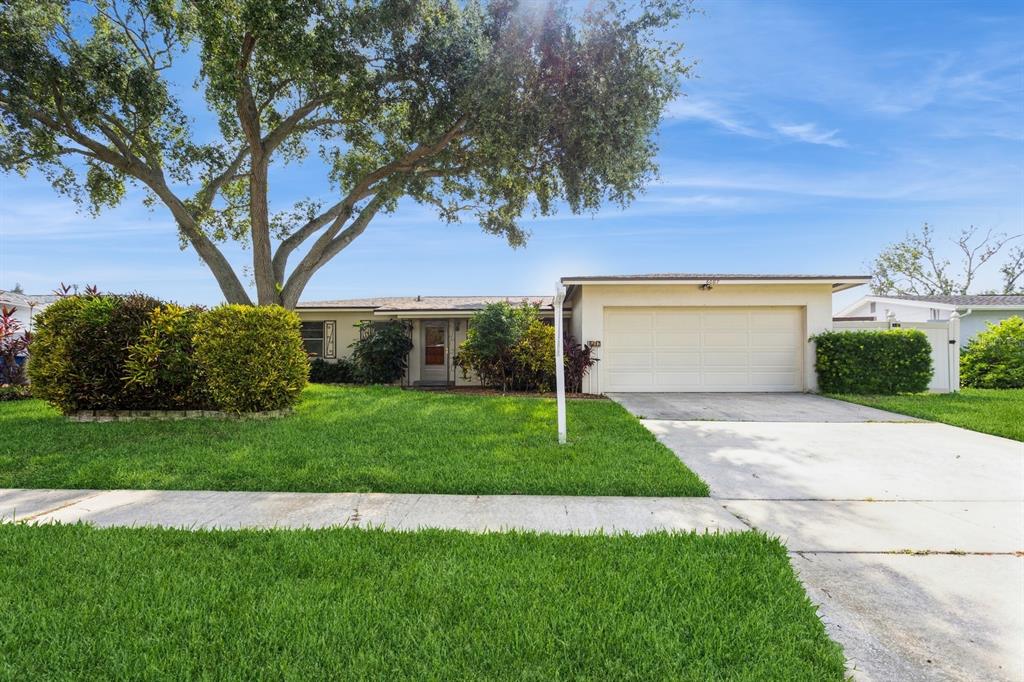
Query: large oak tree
490,110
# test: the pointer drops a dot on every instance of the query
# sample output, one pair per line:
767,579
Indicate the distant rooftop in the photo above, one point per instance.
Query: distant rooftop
27,300
426,303
999,300
713,275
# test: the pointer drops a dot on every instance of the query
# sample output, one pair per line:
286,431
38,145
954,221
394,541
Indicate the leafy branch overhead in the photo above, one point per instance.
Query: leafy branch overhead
487,110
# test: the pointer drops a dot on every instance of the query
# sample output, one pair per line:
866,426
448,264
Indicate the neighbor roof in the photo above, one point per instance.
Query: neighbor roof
986,300
27,300
426,303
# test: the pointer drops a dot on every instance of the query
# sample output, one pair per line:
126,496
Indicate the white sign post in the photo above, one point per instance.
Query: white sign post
559,360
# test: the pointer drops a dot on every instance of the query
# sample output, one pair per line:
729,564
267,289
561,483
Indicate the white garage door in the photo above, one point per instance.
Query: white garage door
703,349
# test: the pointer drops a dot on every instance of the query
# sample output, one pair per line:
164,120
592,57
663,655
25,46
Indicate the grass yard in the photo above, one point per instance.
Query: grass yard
353,439
85,603
998,412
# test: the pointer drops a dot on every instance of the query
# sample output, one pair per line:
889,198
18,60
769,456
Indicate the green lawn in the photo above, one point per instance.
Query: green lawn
84,603
353,439
999,412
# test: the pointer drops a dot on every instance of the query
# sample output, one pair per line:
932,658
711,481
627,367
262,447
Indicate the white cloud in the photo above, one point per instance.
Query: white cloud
688,109
811,134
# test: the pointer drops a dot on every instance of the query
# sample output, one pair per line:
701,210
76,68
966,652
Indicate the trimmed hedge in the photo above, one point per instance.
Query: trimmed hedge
875,362
251,357
135,352
995,357
343,371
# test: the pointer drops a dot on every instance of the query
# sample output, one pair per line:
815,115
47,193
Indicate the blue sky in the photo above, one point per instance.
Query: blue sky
815,133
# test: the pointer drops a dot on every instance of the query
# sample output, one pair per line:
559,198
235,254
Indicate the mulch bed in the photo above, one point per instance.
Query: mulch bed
478,390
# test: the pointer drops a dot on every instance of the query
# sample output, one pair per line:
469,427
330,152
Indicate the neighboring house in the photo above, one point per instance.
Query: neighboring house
976,311
26,306
661,332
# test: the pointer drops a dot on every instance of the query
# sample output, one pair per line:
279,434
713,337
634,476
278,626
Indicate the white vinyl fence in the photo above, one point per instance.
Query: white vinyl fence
944,337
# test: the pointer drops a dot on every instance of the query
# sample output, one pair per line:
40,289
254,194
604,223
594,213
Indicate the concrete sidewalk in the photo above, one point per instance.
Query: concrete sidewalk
210,509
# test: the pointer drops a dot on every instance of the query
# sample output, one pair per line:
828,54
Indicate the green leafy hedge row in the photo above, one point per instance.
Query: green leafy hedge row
879,362
102,352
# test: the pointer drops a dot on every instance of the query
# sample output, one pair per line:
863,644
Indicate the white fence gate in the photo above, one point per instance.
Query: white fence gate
944,337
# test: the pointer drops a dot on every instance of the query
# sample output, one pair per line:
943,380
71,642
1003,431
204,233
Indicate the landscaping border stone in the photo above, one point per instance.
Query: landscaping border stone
170,415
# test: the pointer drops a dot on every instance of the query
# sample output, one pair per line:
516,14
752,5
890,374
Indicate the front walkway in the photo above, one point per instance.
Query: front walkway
909,536
208,509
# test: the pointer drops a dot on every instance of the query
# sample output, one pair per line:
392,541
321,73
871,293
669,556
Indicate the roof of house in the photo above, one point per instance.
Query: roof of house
838,282
987,300
425,303
27,300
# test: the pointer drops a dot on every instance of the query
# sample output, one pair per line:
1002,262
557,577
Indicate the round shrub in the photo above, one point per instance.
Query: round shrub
80,348
161,371
995,357
381,354
251,357
876,362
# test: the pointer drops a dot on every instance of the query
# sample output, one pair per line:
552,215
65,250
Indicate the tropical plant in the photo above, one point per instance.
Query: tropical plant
161,371
14,345
494,331
579,358
342,371
381,353
995,357
486,109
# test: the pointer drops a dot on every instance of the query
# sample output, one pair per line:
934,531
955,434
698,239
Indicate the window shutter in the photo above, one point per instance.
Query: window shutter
329,347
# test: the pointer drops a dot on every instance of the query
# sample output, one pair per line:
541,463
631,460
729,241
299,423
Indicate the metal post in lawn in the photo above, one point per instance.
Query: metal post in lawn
559,360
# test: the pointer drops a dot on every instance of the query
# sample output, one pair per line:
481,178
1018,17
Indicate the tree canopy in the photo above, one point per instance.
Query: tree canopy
487,110
916,266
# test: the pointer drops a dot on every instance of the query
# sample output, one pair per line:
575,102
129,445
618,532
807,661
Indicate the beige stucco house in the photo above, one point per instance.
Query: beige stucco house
658,332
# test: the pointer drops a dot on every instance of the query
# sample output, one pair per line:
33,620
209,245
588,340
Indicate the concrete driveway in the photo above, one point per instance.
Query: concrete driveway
908,535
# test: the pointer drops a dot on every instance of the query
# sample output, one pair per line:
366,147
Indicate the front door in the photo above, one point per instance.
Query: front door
435,351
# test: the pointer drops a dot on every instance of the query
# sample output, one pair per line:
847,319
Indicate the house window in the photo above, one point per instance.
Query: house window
873,307
313,338
934,313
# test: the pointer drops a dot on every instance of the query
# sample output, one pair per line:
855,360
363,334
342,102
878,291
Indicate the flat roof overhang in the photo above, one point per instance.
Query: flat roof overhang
838,282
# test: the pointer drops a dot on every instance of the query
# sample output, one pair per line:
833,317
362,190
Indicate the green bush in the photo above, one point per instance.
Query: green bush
80,348
381,354
533,358
881,362
995,357
251,357
161,371
341,372
489,348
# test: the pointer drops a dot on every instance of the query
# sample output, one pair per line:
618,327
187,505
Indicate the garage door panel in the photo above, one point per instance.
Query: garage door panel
725,340
780,359
630,321
625,360
677,339
678,381
630,339
673,320
725,321
703,349
668,361
773,339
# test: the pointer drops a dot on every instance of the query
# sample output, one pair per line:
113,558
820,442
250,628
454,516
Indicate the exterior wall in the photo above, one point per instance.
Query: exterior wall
588,313
905,313
344,326
971,325
945,355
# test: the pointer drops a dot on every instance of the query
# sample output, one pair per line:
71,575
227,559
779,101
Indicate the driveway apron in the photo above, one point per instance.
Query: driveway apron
909,535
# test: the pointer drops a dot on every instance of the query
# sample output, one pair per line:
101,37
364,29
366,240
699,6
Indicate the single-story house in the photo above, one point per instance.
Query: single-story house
657,332
976,311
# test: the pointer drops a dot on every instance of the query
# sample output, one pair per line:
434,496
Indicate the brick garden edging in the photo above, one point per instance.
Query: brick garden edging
169,415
